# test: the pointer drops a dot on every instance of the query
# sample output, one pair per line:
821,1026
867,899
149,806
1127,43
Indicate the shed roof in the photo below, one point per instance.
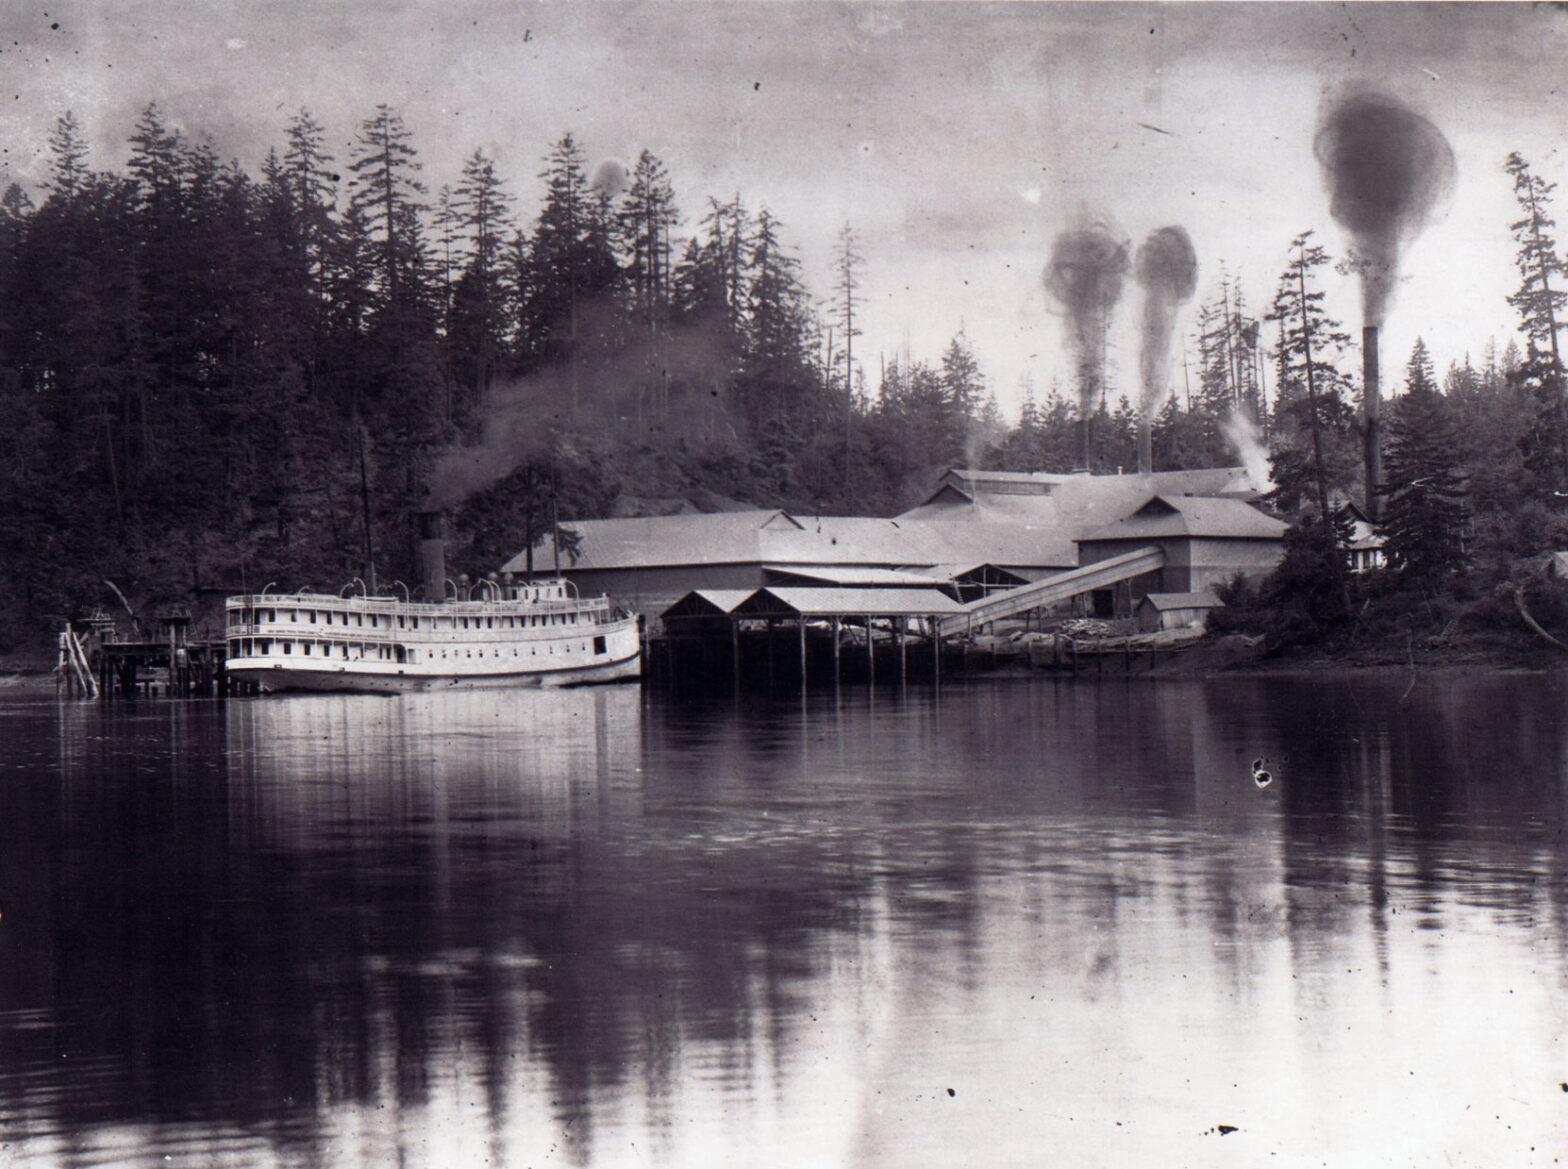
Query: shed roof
1166,601
814,602
1182,515
851,574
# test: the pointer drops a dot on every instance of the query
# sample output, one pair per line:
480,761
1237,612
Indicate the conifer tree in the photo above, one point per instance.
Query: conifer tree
1423,525
385,192
1537,301
1306,384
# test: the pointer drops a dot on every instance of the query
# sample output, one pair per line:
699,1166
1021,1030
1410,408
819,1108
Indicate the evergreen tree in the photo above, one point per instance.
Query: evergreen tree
476,320
1537,301
647,221
776,383
385,192
1313,438
571,267
1307,337
962,381
1424,520
68,157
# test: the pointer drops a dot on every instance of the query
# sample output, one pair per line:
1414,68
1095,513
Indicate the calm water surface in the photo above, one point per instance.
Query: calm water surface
1017,923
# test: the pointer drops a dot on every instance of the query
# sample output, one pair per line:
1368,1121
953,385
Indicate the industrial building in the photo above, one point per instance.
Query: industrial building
978,533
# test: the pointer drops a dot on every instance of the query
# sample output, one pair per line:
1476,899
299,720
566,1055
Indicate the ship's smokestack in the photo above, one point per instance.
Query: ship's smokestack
1372,407
432,555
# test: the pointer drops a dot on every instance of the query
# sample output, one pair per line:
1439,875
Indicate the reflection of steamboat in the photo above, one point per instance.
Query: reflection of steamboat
500,633
534,634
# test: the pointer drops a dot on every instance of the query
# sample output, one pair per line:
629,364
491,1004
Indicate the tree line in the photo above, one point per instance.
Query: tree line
215,379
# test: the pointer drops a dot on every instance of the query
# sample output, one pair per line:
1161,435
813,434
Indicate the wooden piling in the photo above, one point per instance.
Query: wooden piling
735,653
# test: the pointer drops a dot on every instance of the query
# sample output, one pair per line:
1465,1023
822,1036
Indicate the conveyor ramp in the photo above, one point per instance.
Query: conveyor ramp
1055,589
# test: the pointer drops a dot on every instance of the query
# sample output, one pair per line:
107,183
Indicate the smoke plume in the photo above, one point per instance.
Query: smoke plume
1242,434
611,177
1386,168
1084,277
1167,269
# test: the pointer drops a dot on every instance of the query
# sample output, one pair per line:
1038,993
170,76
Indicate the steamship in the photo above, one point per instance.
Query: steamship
499,633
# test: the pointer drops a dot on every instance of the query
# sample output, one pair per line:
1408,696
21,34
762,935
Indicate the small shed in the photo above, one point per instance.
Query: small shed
1158,612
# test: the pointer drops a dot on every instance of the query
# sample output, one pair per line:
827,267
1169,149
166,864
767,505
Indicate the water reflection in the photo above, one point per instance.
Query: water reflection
599,928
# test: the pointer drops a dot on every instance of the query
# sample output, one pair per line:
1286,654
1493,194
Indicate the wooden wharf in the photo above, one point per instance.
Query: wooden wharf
92,665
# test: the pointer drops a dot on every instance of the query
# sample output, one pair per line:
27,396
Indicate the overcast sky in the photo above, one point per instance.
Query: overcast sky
956,139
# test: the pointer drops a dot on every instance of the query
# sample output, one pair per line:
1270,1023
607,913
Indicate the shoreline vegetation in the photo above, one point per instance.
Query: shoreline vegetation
213,380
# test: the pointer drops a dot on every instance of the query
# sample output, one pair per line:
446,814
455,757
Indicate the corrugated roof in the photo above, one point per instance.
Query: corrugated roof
815,602
1181,515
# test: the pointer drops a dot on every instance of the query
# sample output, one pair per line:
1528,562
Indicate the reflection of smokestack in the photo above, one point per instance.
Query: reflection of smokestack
432,555
1371,395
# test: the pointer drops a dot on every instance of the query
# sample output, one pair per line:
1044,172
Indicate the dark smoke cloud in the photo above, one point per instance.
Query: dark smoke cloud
610,177
1088,265
1386,168
1167,269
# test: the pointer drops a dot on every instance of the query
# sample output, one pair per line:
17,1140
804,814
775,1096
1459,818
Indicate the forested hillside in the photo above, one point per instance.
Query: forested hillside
210,377
214,380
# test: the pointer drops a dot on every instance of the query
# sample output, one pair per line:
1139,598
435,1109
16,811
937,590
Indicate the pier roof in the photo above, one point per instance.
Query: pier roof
785,601
707,603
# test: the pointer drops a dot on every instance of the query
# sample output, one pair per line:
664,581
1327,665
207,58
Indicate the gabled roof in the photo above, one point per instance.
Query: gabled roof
1069,504
707,603
959,570
1217,518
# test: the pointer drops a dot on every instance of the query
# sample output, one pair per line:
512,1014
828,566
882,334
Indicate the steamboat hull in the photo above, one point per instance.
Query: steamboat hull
275,679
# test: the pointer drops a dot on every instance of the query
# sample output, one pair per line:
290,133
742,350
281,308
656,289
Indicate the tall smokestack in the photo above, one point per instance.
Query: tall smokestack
1387,169
1372,407
432,555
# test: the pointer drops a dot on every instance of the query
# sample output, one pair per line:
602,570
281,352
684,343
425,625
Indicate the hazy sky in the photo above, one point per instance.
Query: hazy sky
956,139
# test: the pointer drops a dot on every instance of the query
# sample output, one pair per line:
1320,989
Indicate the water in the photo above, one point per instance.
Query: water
1017,923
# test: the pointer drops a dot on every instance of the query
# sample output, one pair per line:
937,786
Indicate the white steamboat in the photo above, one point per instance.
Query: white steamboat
535,634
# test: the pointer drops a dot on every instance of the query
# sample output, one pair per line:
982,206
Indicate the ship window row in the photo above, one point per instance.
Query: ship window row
354,652
326,617
470,654
340,650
